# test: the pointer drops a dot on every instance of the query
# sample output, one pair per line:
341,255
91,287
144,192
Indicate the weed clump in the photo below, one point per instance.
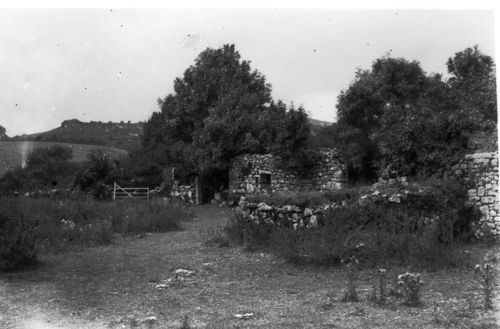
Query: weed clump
486,278
410,284
351,294
17,243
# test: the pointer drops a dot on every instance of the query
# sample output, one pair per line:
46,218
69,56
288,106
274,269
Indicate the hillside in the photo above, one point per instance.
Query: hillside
122,135
14,153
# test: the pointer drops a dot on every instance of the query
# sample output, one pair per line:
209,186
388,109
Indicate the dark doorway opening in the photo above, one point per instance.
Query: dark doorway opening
213,181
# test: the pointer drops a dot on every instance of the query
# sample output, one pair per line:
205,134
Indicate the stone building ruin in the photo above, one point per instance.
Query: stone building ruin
260,173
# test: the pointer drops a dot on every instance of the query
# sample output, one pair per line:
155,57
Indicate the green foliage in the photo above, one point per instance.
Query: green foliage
292,140
137,169
396,118
473,82
13,180
94,174
421,230
410,284
62,224
3,134
350,293
486,276
46,168
222,108
17,242
49,165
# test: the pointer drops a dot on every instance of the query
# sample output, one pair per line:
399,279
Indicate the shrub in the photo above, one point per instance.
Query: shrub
60,224
486,278
421,227
379,292
17,243
350,294
410,284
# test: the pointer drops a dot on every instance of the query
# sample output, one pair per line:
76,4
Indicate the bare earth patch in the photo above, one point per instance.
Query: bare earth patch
119,285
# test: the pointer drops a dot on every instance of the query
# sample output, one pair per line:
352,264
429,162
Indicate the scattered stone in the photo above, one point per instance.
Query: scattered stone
244,316
148,322
183,272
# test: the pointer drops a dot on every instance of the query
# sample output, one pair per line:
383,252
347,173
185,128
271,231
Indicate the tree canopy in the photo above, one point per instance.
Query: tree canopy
395,117
3,134
221,108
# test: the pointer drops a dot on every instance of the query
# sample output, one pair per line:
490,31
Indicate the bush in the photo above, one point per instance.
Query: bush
486,277
410,284
17,243
61,224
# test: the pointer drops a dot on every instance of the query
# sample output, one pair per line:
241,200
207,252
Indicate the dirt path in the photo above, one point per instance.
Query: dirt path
115,286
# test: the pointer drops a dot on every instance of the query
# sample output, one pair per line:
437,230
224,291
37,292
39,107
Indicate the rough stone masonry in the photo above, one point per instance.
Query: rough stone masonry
479,171
260,173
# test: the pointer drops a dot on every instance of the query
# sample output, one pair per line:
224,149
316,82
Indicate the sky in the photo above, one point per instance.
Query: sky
113,64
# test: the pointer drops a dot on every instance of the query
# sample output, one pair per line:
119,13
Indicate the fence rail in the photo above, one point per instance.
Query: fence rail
130,192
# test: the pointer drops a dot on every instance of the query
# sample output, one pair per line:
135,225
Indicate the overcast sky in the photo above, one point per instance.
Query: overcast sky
112,65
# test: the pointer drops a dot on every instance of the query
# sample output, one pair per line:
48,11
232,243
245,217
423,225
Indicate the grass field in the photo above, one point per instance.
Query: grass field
113,286
13,154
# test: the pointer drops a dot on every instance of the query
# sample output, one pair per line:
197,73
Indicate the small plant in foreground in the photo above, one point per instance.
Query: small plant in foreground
379,292
486,278
410,284
436,313
185,323
351,295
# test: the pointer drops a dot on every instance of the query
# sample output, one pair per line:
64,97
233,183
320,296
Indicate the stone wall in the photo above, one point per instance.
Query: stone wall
260,173
185,193
479,172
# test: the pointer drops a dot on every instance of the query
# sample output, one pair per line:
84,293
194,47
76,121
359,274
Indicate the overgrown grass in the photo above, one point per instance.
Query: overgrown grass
308,199
423,230
61,224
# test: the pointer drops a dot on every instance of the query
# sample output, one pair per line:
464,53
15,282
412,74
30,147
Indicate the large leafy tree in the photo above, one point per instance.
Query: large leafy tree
396,118
220,108
375,100
473,84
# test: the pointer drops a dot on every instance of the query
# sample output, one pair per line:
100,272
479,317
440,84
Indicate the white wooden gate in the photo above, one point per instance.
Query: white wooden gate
130,192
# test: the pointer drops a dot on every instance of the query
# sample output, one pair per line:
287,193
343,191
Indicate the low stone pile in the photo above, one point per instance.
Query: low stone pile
286,216
219,200
394,191
185,193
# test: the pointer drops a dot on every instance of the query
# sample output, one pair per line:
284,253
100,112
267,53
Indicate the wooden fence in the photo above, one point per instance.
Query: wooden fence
130,192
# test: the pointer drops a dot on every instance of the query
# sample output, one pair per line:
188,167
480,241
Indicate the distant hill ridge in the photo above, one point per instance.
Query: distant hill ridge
122,135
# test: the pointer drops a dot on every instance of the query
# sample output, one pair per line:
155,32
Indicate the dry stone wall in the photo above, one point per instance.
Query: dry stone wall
260,173
479,172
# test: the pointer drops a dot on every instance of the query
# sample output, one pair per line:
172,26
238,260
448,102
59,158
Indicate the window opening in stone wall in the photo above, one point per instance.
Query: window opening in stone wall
265,180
